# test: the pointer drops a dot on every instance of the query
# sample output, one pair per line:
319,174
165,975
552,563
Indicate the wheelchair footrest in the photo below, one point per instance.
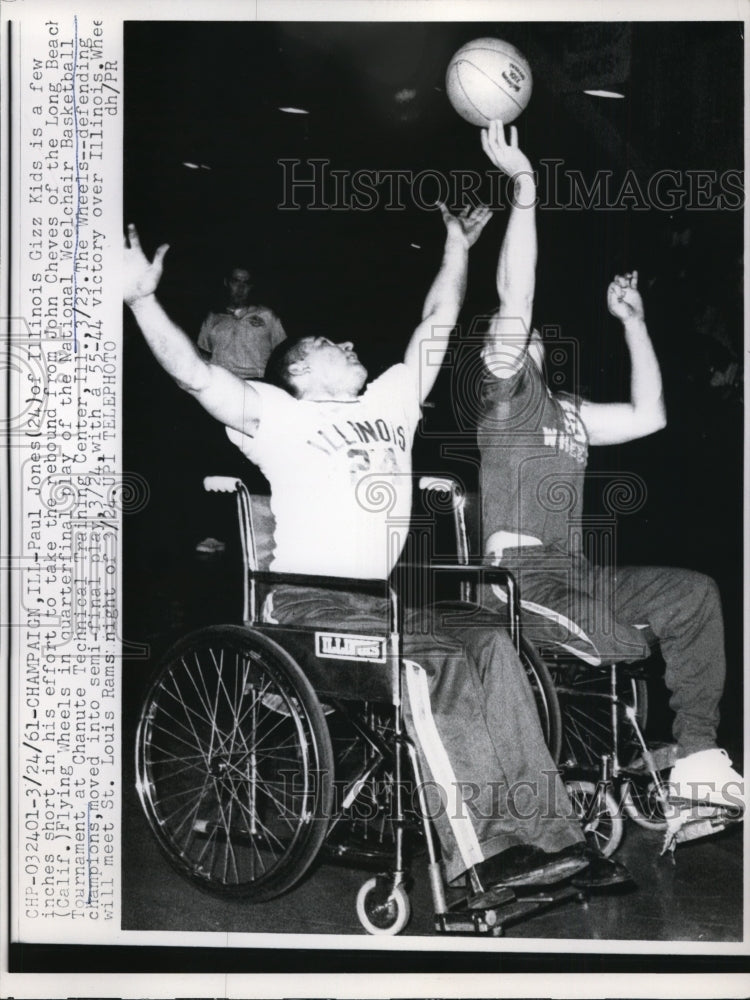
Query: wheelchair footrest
491,920
692,821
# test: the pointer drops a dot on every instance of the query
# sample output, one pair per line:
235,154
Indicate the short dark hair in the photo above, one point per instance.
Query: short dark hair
239,266
283,356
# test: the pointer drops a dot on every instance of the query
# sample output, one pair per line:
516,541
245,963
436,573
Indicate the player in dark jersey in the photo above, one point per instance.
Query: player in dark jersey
534,445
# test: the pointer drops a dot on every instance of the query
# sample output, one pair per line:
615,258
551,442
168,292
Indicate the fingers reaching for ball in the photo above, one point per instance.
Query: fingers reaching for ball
505,153
469,223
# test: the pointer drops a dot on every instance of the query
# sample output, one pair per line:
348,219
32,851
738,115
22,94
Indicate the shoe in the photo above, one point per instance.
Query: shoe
526,866
601,873
707,777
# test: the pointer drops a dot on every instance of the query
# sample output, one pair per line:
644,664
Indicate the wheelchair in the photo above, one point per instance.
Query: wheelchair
595,719
261,746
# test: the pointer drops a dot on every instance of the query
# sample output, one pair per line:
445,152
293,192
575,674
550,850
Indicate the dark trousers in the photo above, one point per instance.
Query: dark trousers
680,607
470,711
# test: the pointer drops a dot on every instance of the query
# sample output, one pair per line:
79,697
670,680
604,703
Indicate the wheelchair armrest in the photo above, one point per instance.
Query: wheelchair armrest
221,484
475,573
365,585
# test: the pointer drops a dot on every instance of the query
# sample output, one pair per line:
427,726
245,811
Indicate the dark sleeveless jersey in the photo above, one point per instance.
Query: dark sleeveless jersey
533,447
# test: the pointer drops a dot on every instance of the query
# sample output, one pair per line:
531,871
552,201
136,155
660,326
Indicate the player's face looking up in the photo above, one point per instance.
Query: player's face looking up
328,369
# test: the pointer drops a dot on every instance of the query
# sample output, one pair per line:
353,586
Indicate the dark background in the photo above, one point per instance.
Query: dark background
209,94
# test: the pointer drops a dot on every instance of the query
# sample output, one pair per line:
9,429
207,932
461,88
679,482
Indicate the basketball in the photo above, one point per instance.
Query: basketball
487,79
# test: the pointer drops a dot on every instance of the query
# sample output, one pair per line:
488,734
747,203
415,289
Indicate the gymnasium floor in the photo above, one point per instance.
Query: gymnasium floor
698,898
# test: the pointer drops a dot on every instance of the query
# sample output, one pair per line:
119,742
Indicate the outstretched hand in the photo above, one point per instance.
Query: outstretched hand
140,277
623,298
469,223
505,155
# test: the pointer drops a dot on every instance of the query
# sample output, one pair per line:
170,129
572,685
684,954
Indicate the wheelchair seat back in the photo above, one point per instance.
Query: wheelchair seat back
262,528
346,665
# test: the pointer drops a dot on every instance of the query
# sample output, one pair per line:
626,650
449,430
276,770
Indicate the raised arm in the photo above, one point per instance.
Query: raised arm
615,423
426,349
226,397
508,333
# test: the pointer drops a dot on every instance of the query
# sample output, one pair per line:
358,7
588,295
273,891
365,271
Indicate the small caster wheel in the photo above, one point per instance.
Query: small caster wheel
599,815
383,908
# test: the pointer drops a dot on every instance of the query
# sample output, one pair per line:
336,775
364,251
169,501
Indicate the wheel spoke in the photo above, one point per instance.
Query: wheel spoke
187,807
226,745
198,742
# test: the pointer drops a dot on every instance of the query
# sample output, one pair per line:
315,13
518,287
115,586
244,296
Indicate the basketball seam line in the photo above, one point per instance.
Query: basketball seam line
493,52
493,82
478,111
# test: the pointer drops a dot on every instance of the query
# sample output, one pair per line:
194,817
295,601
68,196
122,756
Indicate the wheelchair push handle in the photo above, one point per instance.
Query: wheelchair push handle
221,484
442,484
447,485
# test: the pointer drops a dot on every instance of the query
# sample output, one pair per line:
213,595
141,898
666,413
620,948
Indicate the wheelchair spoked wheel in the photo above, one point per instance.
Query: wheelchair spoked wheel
234,764
584,695
598,813
545,696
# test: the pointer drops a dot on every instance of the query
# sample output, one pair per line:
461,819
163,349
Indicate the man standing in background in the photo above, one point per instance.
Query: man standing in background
242,336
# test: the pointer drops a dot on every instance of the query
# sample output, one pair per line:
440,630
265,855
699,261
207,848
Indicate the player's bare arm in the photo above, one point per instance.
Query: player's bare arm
426,349
226,397
616,423
508,334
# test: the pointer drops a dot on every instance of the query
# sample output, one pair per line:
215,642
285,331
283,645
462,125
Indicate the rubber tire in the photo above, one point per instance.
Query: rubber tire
631,806
293,700
386,895
545,696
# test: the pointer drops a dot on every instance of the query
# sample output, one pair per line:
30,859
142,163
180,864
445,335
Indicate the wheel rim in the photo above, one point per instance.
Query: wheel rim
382,908
228,772
545,697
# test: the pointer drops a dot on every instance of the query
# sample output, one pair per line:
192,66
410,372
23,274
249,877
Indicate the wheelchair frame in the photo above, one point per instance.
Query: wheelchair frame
601,784
249,810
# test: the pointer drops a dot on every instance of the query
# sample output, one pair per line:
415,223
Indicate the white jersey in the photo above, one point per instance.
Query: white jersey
340,475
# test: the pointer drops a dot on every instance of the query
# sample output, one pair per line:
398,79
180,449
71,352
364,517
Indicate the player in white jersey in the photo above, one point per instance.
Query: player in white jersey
331,453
